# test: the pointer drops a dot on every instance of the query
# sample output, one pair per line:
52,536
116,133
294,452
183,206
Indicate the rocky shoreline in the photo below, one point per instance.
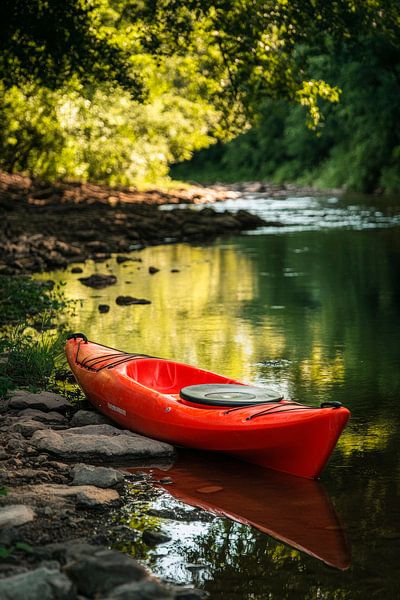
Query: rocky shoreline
44,228
57,517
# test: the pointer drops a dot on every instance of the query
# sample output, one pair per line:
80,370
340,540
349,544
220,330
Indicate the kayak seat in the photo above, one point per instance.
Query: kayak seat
225,394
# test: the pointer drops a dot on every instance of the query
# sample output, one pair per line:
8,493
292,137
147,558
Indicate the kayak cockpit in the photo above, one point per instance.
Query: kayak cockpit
169,377
195,385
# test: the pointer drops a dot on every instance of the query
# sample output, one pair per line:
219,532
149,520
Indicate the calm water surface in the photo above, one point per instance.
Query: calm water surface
313,308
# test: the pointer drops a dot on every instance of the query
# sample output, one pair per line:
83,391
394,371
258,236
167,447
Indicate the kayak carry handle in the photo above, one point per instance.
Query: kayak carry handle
75,336
331,404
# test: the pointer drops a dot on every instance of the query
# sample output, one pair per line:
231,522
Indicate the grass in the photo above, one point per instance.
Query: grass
30,359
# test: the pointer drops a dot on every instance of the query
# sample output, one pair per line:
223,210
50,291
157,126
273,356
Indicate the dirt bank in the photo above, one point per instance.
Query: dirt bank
44,227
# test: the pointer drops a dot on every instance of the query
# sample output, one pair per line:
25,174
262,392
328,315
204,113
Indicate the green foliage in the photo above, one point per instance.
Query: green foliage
356,146
32,358
22,297
107,137
115,90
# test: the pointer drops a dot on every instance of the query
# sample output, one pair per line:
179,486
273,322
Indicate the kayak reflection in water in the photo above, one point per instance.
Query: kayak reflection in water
293,510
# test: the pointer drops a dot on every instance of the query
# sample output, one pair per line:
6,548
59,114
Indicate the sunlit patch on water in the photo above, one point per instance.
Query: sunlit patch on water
314,213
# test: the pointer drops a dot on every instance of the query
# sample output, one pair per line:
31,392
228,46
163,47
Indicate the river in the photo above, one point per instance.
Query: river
310,306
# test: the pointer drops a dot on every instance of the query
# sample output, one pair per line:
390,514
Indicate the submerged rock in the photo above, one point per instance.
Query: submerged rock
153,270
155,538
98,281
103,308
126,300
142,590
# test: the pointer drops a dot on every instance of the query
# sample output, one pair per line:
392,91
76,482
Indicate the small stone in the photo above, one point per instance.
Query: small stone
97,498
103,477
98,280
191,594
155,538
104,308
126,300
43,583
76,270
100,572
88,417
3,453
153,270
141,590
27,427
51,417
45,401
14,515
122,259
166,480
175,270
88,496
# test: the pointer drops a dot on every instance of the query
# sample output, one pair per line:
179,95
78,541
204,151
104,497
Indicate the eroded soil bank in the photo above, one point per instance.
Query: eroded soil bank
47,227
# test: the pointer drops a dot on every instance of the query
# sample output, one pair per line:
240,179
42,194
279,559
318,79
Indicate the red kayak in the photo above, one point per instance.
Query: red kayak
188,406
298,512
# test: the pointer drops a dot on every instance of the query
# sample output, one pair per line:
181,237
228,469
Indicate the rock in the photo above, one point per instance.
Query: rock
126,300
153,270
100,443
43,583
140,590
191,594
46,401
175,271
27,426
88,417
155,538
15,514
52,417
98,281
3,453
76,270
97,498
103,308
102,571
122,259
88,496
102,477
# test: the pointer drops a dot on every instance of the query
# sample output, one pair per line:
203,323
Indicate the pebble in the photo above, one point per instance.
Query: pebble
14,515
103,477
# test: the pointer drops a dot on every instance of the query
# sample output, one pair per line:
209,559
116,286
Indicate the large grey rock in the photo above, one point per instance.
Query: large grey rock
99,573
52,417
46,401
15,514
42,583
88,417
100,443
103,477
88,496
140,590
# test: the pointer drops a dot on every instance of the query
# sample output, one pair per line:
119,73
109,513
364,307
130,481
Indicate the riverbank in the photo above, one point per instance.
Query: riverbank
48,227
59,517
